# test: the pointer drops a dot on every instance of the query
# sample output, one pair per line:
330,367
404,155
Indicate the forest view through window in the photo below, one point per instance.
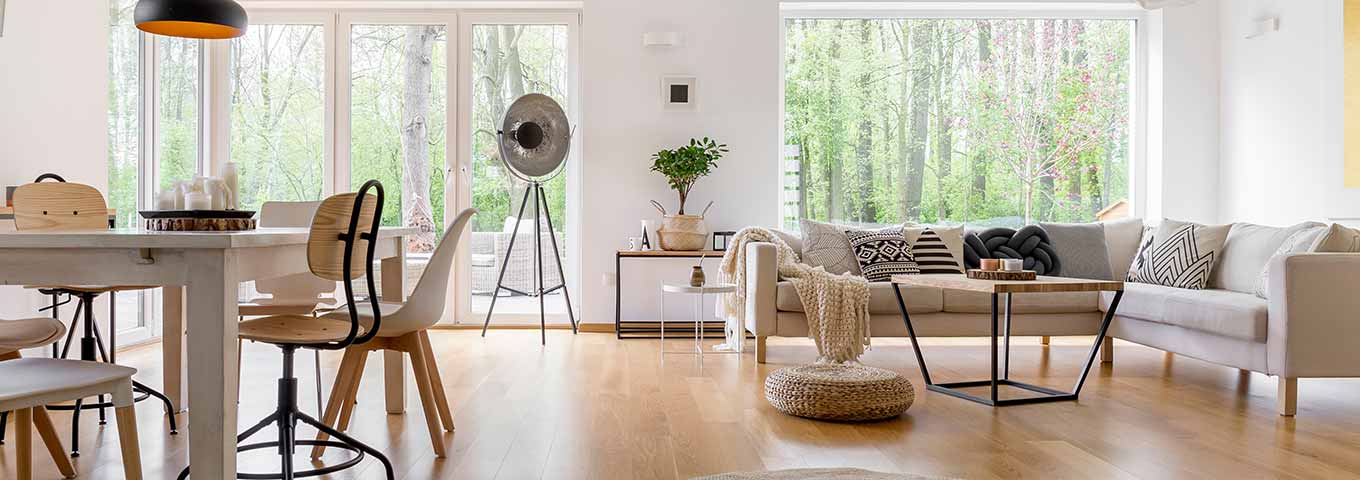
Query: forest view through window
987,122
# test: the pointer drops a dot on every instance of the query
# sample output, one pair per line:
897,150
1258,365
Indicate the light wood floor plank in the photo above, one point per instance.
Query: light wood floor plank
593,407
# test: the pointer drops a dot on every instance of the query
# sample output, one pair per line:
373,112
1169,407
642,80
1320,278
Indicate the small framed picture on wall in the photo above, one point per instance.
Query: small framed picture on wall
679,93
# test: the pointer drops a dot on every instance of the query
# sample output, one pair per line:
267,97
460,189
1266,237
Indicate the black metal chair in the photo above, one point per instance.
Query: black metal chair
335,244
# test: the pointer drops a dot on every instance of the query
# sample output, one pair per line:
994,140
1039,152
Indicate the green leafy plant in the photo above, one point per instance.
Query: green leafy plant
685,165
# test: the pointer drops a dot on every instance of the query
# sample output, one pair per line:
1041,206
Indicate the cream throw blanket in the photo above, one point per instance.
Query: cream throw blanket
837,306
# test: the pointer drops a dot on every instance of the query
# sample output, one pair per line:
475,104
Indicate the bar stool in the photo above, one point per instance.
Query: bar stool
335,244
64,206
299,294
49,380
403,329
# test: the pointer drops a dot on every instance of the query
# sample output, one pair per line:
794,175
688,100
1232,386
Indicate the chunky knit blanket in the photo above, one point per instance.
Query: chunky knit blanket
837,306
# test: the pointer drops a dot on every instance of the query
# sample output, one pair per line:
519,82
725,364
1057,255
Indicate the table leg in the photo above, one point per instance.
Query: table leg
212,292
995,385
1006,371
172,346
911,332
393,290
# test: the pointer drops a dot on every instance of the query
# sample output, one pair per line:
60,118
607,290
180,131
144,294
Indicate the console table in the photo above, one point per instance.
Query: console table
652,329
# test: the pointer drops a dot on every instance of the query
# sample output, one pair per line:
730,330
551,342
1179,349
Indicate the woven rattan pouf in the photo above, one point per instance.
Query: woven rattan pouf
839,392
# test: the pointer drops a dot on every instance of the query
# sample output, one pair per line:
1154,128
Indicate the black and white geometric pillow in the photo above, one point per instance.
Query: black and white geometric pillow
1144,257
932,255
1182,255
882,254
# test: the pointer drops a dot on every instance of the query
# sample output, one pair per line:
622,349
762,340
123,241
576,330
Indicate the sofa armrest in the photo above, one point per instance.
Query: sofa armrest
762,280
1314,315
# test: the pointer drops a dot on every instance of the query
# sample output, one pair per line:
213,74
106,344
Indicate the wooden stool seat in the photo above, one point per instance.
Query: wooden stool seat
50,380
269,306
295,329
92,288
17,335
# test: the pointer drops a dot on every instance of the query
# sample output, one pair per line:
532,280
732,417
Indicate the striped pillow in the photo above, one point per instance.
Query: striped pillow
932,255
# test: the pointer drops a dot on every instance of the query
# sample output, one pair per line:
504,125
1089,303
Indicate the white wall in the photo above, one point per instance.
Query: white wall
1281,138
733,49
1182,162
53,100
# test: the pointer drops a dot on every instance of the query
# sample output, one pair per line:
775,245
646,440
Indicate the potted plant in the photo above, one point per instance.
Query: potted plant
683,167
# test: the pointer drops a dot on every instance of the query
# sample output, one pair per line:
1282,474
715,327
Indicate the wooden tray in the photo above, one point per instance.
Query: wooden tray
1001,275
149,214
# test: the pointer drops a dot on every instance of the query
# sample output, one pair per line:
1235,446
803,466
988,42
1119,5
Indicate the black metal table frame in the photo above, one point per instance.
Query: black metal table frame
1045,394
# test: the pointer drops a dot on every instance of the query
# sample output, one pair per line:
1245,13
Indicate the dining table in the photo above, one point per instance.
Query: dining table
200,273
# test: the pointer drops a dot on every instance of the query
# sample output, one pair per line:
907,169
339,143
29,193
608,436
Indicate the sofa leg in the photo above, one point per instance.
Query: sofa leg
760,349
1287,399
1043,340
1107,350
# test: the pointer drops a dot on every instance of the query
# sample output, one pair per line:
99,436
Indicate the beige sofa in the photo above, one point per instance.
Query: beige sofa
1306,329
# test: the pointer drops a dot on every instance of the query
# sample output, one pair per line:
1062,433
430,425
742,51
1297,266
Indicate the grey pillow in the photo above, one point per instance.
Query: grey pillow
1082,249
825,245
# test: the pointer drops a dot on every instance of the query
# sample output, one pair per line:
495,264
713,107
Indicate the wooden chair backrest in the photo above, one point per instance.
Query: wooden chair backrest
325,250
59,206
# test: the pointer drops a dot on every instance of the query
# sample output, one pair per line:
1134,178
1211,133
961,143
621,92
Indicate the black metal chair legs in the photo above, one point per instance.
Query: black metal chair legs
286,417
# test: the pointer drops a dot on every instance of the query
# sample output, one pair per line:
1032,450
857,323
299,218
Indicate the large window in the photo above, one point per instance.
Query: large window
278,118
977,121
177,132
397,122
508,61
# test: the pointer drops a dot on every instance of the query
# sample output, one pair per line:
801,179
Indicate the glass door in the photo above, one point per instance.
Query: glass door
507,56
397,104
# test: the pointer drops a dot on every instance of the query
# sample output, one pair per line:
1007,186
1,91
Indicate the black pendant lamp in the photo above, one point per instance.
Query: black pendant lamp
212,19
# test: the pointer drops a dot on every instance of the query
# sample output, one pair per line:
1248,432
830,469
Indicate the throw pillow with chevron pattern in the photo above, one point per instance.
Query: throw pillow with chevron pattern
1180,255
882,254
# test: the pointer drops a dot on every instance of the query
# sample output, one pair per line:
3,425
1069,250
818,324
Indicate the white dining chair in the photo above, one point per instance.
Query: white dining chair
297,294
404,329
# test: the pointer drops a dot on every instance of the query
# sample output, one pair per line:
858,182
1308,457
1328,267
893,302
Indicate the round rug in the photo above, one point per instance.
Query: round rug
839,392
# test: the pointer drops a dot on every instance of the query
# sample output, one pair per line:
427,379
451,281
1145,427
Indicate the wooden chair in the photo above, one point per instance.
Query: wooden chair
299,294
49,380
340,248
404,329
64,206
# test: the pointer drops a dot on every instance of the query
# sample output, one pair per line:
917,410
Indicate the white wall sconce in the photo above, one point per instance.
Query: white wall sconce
662,39
1263,26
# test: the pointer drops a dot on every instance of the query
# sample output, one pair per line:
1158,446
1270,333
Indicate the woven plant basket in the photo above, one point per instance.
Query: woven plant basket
683,232
844,393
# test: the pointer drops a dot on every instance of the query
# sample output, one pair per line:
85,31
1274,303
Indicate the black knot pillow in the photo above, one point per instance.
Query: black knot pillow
1029,243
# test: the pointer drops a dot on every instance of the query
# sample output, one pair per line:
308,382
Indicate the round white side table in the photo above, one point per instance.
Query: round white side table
698,293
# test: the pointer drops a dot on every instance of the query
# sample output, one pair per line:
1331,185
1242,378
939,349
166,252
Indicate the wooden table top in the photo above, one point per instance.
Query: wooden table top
1039,285
672,253
139,238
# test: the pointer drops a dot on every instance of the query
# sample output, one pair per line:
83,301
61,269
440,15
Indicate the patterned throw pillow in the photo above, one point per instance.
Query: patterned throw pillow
1179,255
932,254
825,245
882,254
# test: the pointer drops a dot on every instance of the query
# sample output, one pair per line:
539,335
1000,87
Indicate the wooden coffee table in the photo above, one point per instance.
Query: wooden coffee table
999,289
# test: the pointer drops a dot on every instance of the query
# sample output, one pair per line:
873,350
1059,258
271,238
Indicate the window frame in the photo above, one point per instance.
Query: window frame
1139,106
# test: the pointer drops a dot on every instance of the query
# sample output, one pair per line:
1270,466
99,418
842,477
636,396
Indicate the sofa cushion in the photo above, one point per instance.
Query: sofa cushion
1083,249
1182,254
1246,252
941,252
961,301
1221,312
882,254
1122,238
1301,241
881,299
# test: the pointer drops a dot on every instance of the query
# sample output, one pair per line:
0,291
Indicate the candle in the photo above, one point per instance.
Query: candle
990,264
1012,264
197,201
